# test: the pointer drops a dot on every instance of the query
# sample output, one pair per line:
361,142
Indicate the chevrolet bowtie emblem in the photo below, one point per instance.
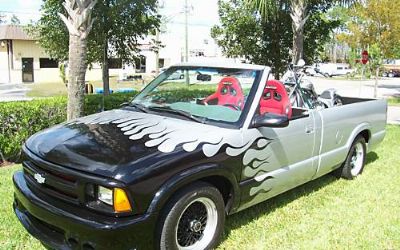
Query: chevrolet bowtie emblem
39,178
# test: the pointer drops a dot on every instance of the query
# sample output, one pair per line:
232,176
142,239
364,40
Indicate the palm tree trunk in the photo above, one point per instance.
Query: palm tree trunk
298,44
106,71
76,77
299,17
79,23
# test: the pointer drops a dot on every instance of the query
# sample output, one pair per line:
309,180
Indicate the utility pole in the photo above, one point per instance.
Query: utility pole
160,5
187,77
186,31
157,52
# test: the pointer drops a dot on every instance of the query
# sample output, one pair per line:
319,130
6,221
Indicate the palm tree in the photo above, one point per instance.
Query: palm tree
79,23
299,13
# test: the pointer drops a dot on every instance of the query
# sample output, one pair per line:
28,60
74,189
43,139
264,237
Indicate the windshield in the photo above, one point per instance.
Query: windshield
198,93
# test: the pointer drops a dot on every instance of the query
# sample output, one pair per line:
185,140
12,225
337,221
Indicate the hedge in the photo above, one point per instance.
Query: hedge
20,120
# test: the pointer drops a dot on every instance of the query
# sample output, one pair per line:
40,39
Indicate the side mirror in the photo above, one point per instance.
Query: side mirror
270,120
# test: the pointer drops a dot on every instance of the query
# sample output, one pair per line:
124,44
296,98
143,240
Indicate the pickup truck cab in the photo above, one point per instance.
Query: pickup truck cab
163,171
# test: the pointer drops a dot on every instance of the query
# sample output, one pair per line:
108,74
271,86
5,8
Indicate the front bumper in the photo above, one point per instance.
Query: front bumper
69,227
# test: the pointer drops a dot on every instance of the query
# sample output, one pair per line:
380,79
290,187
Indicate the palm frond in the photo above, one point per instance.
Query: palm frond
265,7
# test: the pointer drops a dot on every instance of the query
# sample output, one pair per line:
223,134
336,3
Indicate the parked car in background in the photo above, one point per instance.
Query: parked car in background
391,73
334,69
391,68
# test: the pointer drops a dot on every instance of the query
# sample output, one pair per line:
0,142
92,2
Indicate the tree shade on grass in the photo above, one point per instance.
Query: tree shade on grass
324,214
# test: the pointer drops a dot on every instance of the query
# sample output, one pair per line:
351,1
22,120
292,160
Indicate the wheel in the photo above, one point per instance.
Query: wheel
391,75
355,161
193,219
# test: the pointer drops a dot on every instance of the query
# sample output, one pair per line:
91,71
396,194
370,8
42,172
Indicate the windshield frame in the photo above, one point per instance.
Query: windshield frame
245,113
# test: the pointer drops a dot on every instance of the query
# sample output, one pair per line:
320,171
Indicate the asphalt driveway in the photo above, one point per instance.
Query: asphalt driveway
13,92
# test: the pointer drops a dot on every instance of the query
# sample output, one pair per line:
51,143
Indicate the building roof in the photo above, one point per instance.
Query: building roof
14,32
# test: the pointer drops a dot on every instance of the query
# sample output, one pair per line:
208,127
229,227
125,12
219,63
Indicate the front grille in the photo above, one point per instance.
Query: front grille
43,180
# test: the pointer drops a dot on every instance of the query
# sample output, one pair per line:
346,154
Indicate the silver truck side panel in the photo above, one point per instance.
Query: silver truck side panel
342,124
286,162
283,179
293,159
375,139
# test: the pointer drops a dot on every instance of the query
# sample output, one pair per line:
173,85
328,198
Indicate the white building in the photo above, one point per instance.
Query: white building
22,60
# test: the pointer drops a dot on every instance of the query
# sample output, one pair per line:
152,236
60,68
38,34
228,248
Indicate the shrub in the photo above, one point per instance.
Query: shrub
93,103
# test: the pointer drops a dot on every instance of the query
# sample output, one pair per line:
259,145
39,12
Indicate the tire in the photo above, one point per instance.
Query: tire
181,225
355,160
391,75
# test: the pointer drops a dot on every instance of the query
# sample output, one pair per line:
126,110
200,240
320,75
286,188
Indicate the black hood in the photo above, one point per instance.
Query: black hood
100,149
124,144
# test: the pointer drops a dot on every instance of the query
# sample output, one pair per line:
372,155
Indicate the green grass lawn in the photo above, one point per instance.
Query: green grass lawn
324,214
394,101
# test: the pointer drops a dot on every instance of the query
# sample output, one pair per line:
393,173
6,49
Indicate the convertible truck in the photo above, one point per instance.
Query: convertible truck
164,170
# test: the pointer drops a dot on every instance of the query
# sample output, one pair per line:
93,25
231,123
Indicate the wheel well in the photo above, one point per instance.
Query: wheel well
366,134
222,184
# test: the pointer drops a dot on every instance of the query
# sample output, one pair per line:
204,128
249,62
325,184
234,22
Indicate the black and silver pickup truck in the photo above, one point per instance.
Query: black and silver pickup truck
163,171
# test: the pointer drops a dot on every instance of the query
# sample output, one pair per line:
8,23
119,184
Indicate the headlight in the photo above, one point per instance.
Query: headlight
105,195
117,198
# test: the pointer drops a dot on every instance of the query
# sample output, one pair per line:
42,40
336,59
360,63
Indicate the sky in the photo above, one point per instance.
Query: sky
26,10
204,12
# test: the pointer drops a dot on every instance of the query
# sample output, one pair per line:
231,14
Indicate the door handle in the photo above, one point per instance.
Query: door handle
309,129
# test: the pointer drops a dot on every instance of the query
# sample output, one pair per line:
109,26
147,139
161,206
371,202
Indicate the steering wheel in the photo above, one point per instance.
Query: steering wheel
232,106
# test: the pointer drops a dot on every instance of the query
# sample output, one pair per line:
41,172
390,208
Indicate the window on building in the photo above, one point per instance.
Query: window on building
140,64
47,63
161,63
115,63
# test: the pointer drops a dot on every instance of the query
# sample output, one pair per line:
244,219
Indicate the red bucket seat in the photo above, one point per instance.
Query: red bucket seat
229,93
275,99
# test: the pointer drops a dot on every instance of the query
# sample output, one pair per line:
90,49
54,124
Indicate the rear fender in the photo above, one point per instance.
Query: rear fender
356,132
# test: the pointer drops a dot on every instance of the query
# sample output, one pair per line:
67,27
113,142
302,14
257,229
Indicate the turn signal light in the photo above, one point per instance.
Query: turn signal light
121,201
